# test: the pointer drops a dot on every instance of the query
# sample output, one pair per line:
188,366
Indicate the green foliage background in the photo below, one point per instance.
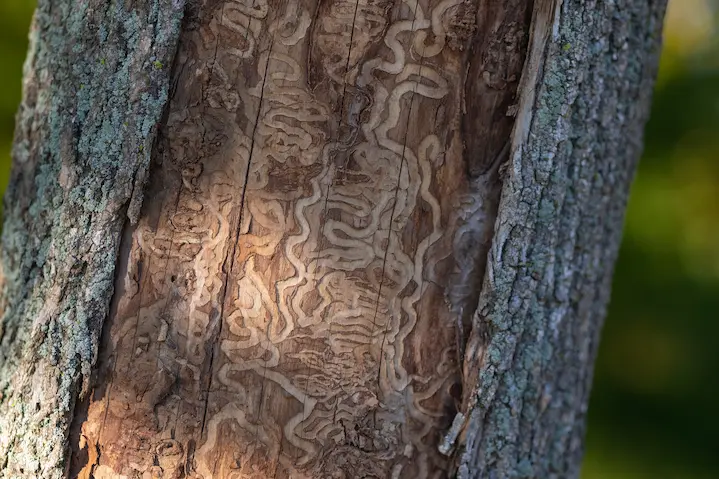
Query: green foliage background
653,410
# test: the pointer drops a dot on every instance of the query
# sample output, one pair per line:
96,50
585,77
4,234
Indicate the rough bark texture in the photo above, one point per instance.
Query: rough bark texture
316,285
95,86
578,136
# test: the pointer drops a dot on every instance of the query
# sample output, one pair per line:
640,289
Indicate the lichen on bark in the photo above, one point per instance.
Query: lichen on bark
586,95
93,95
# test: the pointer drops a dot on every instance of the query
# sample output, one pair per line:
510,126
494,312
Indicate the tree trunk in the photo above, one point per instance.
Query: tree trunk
322,279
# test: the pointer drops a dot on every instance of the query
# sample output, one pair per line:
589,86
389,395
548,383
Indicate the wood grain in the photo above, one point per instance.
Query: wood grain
285,306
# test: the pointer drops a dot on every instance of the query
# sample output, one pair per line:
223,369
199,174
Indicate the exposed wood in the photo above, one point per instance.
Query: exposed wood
285,311
322,281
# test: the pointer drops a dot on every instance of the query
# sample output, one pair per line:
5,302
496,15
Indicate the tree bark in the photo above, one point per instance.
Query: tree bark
354,238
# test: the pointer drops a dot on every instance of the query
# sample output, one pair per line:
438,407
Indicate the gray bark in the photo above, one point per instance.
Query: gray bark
576,145
96,85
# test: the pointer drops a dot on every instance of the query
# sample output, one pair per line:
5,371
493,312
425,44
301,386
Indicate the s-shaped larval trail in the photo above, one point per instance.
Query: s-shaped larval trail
294,286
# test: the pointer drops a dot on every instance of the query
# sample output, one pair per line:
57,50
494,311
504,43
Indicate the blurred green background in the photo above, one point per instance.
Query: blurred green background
653,410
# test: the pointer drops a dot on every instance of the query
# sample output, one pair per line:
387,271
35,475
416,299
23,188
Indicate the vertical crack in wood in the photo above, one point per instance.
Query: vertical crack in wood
231,252
323,218
391,221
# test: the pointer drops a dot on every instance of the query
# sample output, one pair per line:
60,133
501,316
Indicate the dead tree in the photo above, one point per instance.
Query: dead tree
342,238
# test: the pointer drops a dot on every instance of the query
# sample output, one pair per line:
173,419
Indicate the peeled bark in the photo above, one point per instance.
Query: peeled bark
376,239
